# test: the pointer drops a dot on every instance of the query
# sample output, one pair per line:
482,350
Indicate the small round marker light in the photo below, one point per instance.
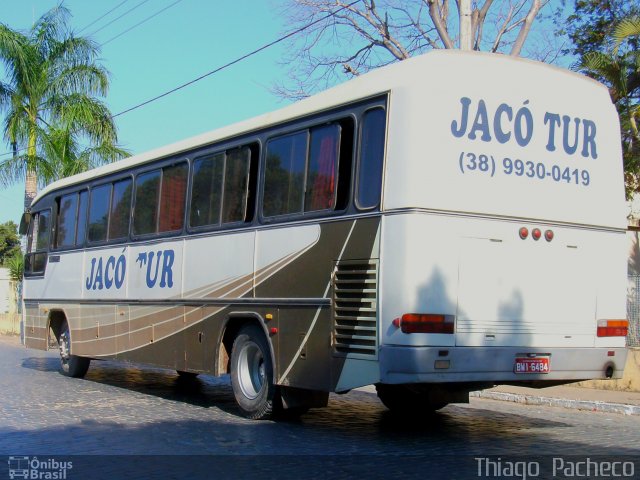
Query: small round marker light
536,234
548,235
524,233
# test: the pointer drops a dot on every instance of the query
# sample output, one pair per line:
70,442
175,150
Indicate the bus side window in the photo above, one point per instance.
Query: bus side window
221,188
172,197
120,209
309,171
236,184
160,200
83,204
145,217
206,191
322,170
372,136
284,176
66,222
99,213
38,243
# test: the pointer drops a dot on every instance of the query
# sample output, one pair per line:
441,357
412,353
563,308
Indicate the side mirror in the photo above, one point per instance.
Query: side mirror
24,223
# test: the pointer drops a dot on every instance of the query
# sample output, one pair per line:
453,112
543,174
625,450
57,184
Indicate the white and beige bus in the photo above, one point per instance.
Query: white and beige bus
441,225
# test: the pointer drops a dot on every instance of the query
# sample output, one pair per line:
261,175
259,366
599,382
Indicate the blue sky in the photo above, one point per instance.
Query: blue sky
190,38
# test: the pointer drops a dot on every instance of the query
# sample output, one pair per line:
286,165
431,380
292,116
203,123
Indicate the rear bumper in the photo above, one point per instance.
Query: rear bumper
402,364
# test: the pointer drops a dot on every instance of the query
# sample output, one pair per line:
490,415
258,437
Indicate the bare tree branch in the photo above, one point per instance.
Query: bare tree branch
435,12
526,26
373,33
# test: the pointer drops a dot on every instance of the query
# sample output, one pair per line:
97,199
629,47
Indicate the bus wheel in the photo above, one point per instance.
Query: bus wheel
403,399
252,373
71,365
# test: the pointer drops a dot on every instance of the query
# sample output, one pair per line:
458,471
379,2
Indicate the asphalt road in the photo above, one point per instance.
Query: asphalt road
125,421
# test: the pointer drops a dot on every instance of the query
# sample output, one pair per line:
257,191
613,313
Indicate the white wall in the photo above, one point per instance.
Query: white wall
5,291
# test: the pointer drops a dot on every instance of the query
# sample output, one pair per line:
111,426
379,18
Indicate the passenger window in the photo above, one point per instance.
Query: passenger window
35,260
173,196
42,236
322,170
206,193
66,224
99,213
146,213
83,203
304,179
120,210
220,189
372,137
284,176
236,183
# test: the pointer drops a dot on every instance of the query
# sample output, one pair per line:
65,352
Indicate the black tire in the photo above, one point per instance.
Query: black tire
405,400
70,365
252,374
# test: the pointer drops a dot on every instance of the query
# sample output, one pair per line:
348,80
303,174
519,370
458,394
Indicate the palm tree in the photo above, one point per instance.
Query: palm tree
619,69
51,100
627,28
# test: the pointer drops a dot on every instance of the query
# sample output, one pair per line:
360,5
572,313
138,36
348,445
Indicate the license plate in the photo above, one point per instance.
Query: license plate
532,365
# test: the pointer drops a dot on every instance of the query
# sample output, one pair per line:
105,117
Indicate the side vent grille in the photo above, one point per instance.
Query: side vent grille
355,287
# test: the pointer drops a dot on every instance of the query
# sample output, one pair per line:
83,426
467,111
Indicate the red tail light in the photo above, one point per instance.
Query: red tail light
536,234
425,323
613,328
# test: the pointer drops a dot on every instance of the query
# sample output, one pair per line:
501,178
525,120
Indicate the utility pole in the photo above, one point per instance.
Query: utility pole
466,33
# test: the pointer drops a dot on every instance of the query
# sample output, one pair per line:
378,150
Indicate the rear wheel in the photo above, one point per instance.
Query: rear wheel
252,373
405,399
71,365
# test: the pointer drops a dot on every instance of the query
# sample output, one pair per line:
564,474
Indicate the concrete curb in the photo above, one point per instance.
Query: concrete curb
589,405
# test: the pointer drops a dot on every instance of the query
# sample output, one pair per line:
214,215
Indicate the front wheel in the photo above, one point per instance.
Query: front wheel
71,365
252,374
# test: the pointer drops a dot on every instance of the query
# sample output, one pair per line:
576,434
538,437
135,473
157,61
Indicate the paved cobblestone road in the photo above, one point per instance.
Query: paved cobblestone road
123,410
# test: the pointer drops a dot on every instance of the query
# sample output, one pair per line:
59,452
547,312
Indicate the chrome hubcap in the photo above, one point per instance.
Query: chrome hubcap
251,371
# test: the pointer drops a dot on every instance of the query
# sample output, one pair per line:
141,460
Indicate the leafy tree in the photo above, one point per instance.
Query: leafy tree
51,101
365,35
590,27
9,242
614,59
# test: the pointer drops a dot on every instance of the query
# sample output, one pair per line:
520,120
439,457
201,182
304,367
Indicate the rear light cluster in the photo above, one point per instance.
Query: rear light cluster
613,328
425,323
536,234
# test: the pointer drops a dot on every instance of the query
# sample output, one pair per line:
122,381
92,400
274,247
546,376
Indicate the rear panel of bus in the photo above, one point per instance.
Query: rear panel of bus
503,252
